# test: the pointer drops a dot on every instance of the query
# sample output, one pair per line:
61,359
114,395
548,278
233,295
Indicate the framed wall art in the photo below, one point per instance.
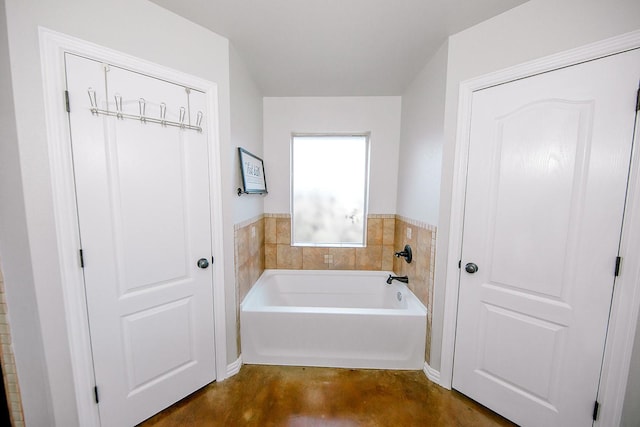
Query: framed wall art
252,171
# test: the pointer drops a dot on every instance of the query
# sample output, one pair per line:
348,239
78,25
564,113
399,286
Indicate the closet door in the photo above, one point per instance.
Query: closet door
143,205
548,167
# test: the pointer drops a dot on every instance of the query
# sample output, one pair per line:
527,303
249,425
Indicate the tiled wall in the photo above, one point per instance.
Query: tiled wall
378,255
9,364
422,239
249,260
265,242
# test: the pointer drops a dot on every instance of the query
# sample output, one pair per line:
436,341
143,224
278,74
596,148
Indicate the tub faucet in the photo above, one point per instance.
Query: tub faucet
403,279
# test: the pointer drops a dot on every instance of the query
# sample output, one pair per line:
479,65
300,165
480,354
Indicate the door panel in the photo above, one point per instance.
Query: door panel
548,163
143,207
539,149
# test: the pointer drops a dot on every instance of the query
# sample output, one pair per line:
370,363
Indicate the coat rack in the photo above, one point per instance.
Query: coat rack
142,106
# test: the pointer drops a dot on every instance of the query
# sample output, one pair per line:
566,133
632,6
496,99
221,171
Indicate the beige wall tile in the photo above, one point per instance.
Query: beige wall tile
314,259
388,257
424,241
270,230
388,231
243,247
243,279
369,258
260,234
289,257
374,231
343,258
270,255
283,231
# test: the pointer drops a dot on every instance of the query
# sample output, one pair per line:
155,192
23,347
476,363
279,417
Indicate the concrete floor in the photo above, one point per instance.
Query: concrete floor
264,396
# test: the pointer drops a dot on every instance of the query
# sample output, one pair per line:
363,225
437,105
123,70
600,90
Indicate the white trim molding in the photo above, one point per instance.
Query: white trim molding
626,298
432,374
53,45
234,367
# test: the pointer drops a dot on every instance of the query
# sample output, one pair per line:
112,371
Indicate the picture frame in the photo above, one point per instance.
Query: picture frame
253,176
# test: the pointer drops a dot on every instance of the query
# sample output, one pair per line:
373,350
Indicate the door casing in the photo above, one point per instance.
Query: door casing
626,297
53,45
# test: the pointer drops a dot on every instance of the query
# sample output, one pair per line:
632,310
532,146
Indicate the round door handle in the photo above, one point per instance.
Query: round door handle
203,263
471,268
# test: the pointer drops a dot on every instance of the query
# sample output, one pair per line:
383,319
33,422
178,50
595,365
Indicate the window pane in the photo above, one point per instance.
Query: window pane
329,190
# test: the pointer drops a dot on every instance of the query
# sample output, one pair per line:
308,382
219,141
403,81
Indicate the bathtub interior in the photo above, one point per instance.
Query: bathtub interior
326,288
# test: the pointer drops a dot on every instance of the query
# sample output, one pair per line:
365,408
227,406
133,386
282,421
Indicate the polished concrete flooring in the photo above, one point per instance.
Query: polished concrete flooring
265,396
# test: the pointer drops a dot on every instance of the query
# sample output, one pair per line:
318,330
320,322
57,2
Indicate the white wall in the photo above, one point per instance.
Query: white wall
421,141
379,115
535,29
246,132
15,257
138,28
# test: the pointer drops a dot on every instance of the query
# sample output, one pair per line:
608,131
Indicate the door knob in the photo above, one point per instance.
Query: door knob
471,268
203,263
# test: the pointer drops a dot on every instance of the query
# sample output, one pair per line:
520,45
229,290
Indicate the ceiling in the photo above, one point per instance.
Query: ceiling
336,47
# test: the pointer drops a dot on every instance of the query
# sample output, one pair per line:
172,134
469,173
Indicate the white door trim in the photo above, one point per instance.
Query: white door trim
53,45
626,300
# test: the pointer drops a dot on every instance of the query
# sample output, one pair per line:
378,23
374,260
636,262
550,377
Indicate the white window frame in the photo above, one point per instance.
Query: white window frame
367,136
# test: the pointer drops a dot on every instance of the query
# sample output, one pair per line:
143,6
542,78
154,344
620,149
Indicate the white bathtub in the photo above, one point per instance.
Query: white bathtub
345,319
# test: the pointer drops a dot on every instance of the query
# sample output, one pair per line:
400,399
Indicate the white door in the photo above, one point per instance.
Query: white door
143,207
548,164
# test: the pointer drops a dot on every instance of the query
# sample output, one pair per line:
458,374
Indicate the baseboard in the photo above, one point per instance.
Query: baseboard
234,368
432,374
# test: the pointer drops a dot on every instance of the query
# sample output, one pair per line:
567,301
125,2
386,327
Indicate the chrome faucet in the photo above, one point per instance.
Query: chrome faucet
403,279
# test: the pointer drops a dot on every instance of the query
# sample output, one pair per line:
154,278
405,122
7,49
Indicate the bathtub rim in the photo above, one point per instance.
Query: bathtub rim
415,307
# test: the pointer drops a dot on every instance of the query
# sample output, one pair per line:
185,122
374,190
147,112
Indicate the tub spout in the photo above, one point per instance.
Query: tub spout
403,279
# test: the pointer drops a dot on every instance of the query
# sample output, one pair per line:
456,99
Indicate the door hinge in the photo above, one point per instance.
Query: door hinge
638,101
459,263
95,394
81,259
596,406
618,261
66,101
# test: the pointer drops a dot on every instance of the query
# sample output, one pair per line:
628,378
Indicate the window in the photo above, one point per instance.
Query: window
329,190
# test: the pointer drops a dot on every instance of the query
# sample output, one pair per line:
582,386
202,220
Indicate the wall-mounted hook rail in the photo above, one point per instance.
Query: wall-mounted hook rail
142,106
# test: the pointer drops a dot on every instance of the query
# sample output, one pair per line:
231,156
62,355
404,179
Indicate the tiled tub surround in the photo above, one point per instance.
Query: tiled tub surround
249,253
249,260
422,239
265,242
377,255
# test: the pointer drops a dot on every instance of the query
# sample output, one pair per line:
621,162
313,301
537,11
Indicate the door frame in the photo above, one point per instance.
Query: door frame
626,297
53,46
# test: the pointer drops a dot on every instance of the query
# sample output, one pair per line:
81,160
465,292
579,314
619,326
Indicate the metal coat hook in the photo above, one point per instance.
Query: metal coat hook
163,114
182,115
142,104
118,99
93,100
199,119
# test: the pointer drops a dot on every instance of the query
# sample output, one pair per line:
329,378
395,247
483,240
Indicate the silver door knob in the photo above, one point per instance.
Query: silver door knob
203,263
471,268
